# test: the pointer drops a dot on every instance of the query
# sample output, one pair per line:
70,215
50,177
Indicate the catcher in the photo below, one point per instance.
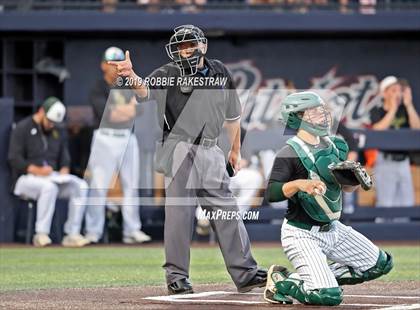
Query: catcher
311,172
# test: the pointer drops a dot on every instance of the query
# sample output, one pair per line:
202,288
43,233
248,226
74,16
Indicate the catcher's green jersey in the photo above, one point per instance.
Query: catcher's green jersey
327,207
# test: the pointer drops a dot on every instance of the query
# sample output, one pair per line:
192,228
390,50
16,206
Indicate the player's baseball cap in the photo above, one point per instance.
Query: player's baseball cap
386,82
113,53
55,111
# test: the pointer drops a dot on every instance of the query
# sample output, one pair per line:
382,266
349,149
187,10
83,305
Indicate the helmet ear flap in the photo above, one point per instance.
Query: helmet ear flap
203,46
293,120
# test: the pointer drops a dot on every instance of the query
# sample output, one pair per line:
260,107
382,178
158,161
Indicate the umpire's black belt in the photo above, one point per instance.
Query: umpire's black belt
205,142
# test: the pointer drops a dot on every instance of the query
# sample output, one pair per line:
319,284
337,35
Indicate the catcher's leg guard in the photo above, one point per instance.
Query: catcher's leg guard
382,267
323,297
349,276
346,274
275,274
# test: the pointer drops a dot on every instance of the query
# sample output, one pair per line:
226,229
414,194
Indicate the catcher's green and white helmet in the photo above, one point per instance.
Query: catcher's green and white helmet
306,110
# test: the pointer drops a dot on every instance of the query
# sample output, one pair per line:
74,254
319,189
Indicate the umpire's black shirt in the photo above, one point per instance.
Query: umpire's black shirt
30,145
200,112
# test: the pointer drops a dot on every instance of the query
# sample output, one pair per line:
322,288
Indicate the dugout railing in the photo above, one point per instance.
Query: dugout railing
396,224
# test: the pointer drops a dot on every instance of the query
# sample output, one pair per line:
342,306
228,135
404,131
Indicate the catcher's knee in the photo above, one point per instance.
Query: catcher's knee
324,296
383,265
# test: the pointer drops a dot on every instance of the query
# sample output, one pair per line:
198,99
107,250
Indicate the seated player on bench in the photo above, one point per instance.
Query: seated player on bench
40,161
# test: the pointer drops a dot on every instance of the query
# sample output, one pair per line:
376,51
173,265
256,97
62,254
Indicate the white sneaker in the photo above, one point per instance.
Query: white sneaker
74,241
41,240
92,238
137,237
275,274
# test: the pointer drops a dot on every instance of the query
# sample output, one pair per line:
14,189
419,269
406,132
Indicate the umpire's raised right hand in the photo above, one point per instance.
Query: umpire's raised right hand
124,67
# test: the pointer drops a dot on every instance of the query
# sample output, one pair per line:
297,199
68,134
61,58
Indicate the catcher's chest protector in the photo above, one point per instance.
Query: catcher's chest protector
327,207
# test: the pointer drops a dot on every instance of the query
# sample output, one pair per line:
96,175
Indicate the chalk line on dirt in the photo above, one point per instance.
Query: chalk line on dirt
194,298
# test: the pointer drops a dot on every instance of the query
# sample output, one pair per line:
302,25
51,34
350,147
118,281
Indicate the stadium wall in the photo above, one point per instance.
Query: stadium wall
346,53
6,205
351,66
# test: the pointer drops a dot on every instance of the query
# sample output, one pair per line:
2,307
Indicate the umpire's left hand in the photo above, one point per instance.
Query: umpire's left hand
235,160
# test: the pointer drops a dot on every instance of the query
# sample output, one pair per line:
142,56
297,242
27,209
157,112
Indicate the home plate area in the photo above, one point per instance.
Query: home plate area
353,299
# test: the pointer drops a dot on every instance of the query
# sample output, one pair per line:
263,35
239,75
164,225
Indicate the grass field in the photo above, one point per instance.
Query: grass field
32,268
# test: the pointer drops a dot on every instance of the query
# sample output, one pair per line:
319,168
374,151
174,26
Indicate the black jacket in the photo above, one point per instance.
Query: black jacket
30,145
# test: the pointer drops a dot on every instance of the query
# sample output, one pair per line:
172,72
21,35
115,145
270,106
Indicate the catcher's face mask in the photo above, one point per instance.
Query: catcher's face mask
317,120
186,48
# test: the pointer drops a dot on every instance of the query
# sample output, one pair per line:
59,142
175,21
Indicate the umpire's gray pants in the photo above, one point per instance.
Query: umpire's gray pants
199,177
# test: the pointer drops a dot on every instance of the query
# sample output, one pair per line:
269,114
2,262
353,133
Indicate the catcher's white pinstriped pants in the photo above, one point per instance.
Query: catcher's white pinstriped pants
308,251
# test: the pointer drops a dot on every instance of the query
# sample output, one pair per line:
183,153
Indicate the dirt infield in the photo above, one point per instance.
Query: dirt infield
374,295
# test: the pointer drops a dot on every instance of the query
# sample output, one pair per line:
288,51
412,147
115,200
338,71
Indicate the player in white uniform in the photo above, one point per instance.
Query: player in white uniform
312,234
114,150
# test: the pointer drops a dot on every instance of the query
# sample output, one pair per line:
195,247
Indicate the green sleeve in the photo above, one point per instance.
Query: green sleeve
275,192
342,146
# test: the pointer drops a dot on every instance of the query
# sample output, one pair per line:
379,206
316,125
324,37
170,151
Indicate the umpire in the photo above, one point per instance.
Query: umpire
192,116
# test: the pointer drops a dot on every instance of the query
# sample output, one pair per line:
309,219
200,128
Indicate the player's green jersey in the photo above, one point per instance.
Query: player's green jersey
327,207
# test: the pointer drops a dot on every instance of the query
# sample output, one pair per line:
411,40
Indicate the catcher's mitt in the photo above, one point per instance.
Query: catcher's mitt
351,173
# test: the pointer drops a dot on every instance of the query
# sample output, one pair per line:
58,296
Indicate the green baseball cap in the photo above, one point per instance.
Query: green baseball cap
55,111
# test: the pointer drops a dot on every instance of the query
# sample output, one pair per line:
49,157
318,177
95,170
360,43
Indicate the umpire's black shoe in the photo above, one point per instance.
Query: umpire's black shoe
182,286
259,280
